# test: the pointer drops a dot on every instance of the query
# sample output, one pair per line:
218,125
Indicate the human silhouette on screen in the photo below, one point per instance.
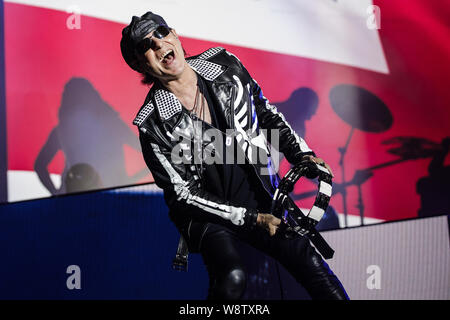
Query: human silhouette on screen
301,106
434,189
90,134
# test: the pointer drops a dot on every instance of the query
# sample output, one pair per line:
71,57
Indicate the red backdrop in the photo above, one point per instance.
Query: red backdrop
42,55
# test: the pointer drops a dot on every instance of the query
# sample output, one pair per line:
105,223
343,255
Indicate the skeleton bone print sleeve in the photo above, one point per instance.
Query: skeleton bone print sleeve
291,144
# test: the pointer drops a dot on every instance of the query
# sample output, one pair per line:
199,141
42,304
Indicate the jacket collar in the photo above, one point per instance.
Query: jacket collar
166,102
208,70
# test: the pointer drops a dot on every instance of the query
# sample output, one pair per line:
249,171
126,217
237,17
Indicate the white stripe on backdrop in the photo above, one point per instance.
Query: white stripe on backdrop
327,30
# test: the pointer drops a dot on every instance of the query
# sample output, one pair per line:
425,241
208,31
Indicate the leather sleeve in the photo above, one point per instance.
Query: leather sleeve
290,144
183,190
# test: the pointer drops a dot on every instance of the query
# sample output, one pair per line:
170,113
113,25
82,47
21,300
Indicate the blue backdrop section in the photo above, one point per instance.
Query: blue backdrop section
123,243
3,158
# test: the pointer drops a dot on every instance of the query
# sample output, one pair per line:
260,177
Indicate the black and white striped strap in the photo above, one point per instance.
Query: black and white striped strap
293,218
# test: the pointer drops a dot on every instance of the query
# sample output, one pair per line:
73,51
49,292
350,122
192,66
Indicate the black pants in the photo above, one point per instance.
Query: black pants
227,274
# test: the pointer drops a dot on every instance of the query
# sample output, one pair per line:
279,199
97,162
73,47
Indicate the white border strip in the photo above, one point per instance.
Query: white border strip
332,31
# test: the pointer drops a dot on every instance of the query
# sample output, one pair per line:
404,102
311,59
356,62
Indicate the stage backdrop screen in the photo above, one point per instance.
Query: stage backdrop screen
365,83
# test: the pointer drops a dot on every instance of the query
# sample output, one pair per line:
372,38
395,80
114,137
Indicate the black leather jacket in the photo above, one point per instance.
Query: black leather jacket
162,120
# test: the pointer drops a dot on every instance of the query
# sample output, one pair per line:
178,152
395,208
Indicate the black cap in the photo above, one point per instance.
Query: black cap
135,32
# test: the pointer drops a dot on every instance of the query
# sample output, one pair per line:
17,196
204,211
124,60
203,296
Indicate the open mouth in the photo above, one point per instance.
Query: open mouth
168,57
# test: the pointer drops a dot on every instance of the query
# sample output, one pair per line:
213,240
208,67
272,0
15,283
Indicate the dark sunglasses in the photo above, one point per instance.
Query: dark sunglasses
147,43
